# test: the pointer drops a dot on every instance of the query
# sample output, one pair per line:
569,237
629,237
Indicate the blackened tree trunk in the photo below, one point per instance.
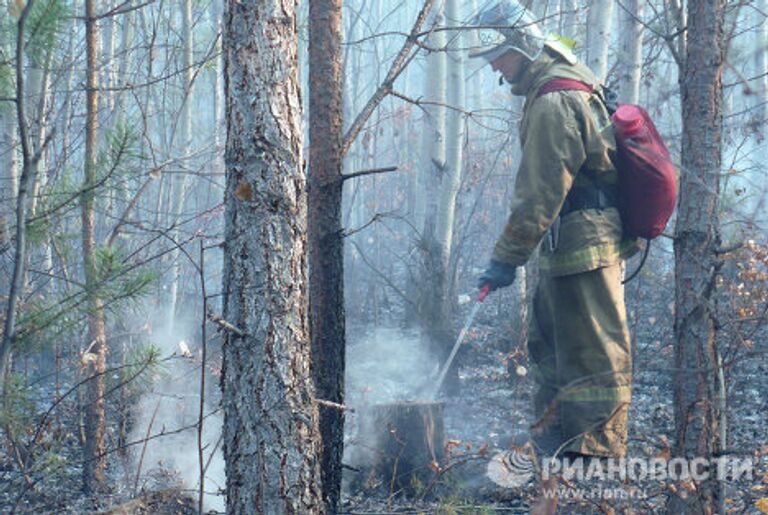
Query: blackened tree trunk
696,241
326,256
94,358
271,447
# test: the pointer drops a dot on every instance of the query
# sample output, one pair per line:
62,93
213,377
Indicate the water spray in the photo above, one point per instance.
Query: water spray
484,291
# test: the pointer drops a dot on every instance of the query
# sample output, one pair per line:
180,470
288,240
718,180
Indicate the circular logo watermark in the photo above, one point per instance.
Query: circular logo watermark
512,468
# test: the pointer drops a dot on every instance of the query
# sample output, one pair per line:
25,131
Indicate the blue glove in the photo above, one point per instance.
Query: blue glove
497,275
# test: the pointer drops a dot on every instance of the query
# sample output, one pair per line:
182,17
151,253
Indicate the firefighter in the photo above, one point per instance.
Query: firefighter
565,201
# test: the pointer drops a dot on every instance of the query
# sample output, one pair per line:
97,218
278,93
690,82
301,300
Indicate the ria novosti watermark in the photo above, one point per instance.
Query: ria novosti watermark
723,468
515,468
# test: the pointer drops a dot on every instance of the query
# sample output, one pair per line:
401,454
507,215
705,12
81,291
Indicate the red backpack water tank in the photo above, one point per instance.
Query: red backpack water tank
647,176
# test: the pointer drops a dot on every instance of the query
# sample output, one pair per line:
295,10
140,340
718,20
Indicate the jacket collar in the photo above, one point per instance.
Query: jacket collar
547,67
531,74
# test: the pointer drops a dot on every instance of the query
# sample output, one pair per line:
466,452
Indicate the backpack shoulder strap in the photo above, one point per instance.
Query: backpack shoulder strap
607,96
563,84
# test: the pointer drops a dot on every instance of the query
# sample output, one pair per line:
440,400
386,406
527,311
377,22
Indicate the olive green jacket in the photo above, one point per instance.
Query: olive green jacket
561,133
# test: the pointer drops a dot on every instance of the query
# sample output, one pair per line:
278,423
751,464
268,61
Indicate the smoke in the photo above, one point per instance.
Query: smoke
388,365
384,366
171,409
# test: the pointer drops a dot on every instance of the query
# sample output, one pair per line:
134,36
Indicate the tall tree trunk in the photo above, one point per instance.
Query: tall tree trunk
181,181
26,181
696,240
433,164
271,447
218,111
95,357
38,96
326,258
631,54
443,291
433,130
454,145
599,21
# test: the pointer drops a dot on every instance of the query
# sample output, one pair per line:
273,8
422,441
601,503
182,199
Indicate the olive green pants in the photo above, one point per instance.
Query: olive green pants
579,348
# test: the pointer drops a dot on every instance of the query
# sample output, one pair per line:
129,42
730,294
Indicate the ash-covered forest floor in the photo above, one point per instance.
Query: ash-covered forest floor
493,408
387,365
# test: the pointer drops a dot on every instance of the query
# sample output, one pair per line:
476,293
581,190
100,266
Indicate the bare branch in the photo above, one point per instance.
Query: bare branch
334,405
224,325
375,218
398,65
369,172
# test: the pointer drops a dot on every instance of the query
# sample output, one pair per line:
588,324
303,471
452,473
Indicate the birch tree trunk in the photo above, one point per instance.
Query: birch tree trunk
631,50
270,439
443,285
433,142
94,359
696,239
432,135
599,21
326,247
218,111
180,182
454,138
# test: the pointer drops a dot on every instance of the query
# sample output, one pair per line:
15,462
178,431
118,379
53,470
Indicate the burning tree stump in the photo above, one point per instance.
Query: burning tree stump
409,444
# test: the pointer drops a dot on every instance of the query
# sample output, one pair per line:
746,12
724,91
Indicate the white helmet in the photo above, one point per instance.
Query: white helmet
507,25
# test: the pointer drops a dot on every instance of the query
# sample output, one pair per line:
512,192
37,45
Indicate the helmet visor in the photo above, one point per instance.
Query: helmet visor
506,25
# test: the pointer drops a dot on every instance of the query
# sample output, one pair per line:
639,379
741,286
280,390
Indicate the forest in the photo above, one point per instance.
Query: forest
241,240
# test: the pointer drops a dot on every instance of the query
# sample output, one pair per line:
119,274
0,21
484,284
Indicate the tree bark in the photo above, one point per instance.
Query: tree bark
326,257
94,358
271,448
696,239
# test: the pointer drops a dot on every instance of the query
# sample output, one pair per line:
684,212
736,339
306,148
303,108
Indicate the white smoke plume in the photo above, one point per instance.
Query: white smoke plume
171,409
386,365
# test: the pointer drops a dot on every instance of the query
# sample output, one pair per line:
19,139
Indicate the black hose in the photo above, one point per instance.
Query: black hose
642,262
